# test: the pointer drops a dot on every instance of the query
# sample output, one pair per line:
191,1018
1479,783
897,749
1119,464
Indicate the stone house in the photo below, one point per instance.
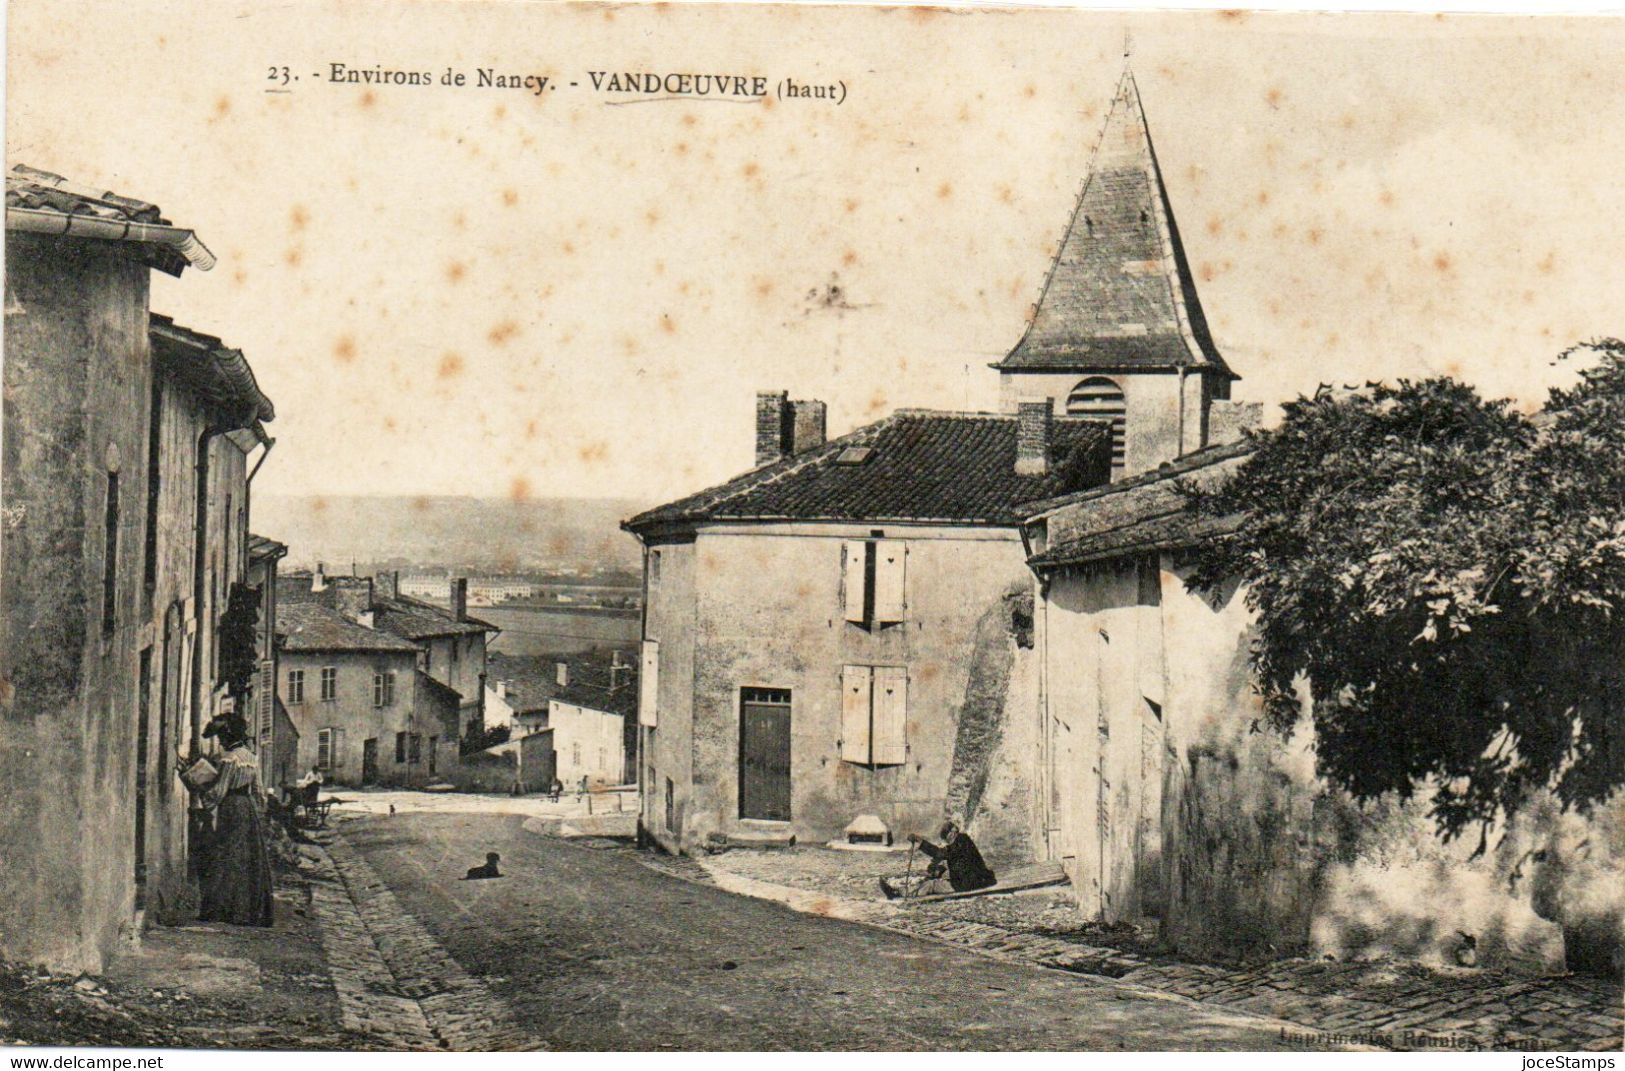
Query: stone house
125,490
590,687
361,681
1168,808
278,737
589,732
1153,790
834,633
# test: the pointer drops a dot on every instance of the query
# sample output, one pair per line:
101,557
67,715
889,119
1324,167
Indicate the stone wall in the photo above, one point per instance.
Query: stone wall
353,712
76,386
762,606
1254,855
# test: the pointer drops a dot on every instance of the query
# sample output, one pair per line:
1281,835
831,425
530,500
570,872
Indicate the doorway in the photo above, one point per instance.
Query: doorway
369,761
764,754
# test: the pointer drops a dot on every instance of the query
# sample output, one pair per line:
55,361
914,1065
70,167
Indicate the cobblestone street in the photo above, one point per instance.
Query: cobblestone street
1396,1004
580,946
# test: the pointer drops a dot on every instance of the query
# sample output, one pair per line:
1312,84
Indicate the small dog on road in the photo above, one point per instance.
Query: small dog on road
489,870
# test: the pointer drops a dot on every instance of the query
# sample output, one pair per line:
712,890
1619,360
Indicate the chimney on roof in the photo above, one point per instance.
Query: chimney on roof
1034,420
502,689
318,579
459,598
771,409
561,674
806,426
352,597
387,585
785,428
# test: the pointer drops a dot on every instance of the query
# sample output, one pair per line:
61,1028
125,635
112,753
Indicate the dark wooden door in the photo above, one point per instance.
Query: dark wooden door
369,761
764,754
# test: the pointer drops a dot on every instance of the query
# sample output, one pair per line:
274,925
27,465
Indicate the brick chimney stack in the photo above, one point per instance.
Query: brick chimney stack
1034,421
561,674
771,408
459,598
807,426
785,428
352,597
318,580
387,585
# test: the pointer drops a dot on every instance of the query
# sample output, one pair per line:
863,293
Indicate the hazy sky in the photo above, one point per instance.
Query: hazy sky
493,292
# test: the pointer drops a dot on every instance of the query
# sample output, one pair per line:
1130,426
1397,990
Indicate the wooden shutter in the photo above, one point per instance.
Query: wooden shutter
856,689
338,749
890,747
891,557
266,697
649,683
852,579
324,748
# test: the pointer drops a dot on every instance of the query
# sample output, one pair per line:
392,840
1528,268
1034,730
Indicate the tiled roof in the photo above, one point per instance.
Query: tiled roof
264,547
1163,531
406,617
421,621
310,626
921,466
530,679
219,373
41,191
1119,295
29,187
1149,513
1200,459
623,700
445,694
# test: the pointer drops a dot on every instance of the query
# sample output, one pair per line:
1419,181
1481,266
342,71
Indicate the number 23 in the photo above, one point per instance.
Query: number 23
279,74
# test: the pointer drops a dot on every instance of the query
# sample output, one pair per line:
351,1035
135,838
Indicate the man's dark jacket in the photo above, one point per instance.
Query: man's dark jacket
966,870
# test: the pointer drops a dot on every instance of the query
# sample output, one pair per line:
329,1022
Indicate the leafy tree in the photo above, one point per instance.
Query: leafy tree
1446,578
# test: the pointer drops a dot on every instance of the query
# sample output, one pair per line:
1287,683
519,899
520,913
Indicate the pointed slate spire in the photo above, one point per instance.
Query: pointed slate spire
1119,296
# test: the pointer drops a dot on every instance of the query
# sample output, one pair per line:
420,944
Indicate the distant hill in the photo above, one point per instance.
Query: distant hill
478,534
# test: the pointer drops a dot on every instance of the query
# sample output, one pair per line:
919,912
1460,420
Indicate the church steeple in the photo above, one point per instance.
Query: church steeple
1119,296
1118,333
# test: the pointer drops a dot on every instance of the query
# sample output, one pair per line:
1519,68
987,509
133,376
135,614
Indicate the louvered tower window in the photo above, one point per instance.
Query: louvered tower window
1101,399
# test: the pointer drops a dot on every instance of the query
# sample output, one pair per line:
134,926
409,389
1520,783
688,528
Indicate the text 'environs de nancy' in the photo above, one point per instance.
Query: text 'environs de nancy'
650,84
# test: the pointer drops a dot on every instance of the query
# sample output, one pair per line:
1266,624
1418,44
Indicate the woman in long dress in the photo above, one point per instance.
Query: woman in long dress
236,875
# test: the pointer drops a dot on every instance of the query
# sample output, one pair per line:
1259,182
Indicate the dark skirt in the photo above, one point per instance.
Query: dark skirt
236,878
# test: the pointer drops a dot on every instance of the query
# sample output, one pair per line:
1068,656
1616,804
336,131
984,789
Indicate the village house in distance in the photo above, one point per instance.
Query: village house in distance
844,630
127,448
381,688
588,701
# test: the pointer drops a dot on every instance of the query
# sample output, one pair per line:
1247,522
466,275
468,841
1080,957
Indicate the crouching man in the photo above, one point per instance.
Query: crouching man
957,858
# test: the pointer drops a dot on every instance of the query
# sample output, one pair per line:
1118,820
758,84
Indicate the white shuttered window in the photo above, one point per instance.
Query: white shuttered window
891,559
889,734
874,715
856,687
854,579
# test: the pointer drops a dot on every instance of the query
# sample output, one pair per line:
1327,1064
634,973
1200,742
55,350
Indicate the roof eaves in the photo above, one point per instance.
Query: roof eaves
1209,455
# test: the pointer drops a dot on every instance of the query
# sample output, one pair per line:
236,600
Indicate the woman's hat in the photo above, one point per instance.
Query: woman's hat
227,727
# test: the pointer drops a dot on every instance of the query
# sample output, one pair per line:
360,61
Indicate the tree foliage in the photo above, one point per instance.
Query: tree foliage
1446,578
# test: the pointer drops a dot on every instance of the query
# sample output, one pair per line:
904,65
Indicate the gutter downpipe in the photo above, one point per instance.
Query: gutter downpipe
639,751
76,225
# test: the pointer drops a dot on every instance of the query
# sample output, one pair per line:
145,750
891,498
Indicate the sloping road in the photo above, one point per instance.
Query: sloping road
589,949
